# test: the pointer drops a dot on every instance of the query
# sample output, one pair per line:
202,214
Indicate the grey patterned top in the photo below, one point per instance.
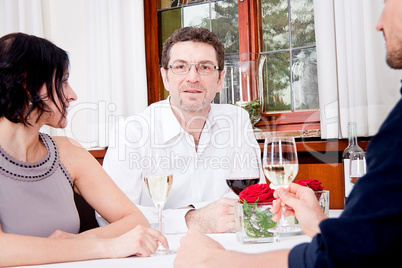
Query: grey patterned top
37,198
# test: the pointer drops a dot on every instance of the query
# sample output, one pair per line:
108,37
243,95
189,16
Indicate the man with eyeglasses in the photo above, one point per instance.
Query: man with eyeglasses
198,140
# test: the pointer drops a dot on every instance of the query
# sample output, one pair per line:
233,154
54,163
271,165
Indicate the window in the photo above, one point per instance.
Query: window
281,32
219,17
289,45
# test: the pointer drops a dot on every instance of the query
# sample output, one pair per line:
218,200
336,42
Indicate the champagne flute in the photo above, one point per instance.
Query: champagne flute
158,179
357,167
280,166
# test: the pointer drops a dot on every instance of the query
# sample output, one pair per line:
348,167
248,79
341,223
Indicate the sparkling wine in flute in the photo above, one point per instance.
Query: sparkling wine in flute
280,175
158,188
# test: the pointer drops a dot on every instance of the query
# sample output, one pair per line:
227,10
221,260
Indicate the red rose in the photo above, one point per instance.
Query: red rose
315,185
261,192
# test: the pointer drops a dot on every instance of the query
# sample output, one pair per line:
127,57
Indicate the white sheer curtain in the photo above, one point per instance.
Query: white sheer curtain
355,84
27,16
21,16
115,65
105,42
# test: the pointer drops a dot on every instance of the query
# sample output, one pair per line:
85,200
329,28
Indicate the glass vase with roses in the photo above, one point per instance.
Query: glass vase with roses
253,215
321,194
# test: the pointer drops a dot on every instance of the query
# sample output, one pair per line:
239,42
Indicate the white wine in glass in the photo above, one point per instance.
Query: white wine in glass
280,167
281,175
158,183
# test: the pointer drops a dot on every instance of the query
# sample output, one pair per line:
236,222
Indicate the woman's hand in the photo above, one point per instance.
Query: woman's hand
141,241
301,202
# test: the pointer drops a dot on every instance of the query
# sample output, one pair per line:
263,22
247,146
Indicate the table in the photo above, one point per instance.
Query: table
227,240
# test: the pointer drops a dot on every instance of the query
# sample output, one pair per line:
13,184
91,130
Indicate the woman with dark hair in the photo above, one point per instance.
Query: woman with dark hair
38,173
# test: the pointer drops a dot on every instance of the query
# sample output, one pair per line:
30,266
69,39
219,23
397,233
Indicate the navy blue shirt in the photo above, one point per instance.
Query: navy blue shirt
369,231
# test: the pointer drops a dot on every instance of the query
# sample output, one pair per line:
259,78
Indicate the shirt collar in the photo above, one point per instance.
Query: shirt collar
171,126
210,118
169,123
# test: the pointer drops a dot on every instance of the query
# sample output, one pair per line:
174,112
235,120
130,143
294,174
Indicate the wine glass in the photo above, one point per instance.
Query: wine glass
357,167
280,166
158,179
243,173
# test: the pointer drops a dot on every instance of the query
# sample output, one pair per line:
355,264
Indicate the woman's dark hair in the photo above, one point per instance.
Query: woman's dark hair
194,34
27,63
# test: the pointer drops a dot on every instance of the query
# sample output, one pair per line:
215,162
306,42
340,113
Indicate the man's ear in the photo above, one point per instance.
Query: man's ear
165,78
221,81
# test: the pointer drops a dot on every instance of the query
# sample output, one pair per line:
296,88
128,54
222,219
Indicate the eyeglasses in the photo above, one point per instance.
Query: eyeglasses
181,67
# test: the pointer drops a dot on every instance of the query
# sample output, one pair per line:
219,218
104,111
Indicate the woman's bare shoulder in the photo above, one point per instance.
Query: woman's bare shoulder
66,143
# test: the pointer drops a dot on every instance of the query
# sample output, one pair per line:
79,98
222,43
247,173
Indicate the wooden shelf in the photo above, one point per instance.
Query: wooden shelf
306,145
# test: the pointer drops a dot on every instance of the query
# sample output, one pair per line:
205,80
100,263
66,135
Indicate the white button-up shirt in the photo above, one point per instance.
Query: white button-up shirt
199,176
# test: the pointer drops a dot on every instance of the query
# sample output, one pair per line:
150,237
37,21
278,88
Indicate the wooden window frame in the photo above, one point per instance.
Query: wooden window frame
250,33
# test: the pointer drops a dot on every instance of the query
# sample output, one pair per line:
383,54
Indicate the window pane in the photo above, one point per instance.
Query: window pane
197,16
161,4
169,21
189,2
304,70
302,19
225,24
231,87
277,93
275,24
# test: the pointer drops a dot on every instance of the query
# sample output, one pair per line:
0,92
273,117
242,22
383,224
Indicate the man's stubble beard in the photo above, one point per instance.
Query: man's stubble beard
192,108
394,58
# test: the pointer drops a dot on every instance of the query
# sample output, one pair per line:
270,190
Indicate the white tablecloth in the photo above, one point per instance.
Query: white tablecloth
227,240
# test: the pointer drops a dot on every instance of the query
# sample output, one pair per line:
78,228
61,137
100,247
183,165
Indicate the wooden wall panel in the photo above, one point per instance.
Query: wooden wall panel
98,154
154,83
331,176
